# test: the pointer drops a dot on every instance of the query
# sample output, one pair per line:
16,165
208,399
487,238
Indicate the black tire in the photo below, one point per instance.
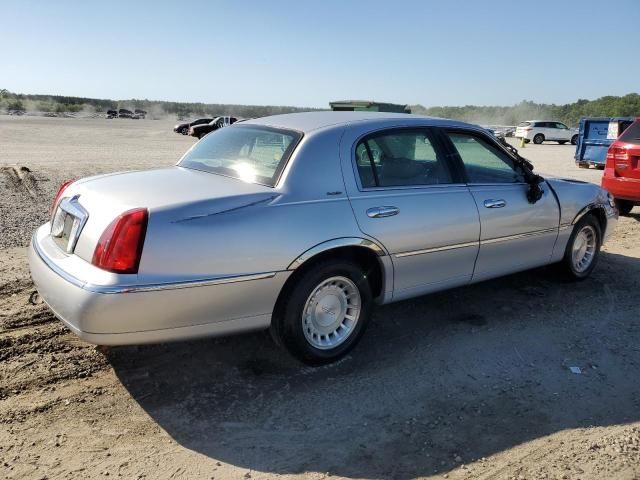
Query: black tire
624,206
287,323
184,131
567,265
526,140
562,142
574,140
538,139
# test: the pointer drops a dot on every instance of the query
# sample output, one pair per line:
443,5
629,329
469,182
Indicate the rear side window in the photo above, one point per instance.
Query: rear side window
632,134
483,162
400,158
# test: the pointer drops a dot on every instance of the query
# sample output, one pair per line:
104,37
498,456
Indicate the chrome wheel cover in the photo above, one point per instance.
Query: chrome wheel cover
331,313
583,249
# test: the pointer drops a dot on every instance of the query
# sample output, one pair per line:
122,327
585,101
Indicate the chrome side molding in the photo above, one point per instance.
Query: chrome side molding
336,243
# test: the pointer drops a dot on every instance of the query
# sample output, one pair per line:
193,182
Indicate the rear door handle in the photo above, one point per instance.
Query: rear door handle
494,203
381,212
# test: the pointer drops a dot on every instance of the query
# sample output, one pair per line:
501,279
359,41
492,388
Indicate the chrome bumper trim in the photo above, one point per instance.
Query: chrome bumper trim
149,287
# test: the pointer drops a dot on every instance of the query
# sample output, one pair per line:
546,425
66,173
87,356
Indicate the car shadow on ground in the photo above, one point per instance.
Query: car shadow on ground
436,381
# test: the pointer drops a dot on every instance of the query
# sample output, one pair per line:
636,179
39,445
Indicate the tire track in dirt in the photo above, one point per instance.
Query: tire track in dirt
21,179
45,356
16,309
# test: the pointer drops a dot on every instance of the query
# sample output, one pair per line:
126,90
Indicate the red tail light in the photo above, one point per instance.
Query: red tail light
58,196
120,246
617,156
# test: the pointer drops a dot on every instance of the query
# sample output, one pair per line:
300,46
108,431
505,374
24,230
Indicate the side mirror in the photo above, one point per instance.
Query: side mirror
534,192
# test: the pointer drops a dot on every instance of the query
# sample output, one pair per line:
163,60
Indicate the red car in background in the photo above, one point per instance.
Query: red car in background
622,170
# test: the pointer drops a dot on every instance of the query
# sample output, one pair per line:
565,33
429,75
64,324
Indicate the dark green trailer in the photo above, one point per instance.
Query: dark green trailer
367,106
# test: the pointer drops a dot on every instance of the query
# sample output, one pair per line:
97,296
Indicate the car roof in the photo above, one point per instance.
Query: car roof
309,121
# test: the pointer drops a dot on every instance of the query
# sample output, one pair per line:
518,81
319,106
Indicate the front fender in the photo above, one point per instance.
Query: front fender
578,198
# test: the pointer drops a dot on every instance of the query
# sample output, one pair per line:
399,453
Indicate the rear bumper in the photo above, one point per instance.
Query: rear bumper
622,188
106,315
525,135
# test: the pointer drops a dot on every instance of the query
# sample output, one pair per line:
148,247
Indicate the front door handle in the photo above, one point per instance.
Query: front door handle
381,212
494,203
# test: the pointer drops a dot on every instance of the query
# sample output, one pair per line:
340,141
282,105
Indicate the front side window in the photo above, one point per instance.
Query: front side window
254,154
400,158
483,162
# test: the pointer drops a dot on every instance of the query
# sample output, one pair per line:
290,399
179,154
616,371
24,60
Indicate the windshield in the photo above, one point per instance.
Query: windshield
250,153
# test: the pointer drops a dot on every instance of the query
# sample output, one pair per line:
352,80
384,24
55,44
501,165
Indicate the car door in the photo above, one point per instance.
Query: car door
550,131
562,131
514,234
405,195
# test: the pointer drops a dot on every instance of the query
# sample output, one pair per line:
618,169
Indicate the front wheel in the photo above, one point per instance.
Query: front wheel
574,140
583,249
538,139
624,206
325,313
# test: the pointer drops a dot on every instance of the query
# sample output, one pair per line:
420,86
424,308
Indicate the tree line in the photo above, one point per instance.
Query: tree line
570,113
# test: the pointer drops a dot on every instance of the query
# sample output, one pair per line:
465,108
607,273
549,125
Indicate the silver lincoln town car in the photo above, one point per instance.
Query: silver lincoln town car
301,223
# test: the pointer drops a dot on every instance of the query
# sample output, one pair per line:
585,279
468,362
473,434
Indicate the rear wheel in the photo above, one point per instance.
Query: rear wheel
574,140
583,249
624,206
184,131
325,313
538,139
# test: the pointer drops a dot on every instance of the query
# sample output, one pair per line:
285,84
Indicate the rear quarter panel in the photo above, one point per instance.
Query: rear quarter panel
266,234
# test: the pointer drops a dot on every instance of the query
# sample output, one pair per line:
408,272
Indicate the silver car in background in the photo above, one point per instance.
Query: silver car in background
301,223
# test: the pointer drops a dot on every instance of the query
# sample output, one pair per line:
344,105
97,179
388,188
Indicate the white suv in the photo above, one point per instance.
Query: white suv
540,131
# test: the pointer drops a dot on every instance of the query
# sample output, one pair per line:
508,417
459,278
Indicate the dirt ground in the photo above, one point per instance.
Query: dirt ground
470,383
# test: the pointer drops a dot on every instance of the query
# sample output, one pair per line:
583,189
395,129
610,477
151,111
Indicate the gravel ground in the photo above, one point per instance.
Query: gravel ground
470,383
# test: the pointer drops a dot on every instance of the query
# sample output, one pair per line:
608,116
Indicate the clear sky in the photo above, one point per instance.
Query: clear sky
307,53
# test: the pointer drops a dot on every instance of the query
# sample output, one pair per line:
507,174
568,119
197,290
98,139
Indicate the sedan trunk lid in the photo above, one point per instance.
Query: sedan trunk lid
105,197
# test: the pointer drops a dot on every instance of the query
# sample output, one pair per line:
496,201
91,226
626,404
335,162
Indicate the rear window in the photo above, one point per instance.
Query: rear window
254,154
632,134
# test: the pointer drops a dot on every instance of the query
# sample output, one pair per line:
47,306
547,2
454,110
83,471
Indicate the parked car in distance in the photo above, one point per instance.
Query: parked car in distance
124,113
112,114
142,114
543,131
300,224
595,135
183,128
201,130
622,170
502,131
